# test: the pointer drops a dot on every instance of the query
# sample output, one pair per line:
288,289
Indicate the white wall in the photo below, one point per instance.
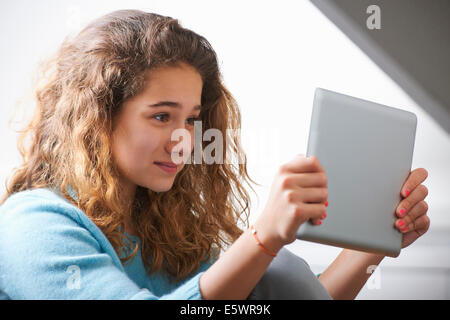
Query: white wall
273,55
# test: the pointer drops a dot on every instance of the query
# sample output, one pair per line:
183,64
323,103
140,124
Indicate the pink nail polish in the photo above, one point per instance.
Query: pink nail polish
402,212
401,223
406,193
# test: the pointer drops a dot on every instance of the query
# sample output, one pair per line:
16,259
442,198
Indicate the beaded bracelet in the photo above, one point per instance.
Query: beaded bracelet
253,231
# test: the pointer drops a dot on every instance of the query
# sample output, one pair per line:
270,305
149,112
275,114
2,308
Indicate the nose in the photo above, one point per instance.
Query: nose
179,144
173,147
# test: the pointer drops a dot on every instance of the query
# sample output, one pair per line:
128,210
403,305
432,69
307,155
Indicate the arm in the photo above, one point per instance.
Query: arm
238,270
236,273
348,273
297,195
47,253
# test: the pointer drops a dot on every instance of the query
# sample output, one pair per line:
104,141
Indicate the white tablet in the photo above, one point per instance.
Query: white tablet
366,150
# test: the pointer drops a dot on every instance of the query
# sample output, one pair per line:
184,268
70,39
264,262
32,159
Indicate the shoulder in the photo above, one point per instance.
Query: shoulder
46,242
40,215
30,202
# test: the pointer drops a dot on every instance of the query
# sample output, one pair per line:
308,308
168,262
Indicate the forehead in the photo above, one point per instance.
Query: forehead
181,84
179,80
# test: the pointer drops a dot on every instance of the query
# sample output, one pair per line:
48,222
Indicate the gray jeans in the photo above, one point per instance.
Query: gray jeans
289,277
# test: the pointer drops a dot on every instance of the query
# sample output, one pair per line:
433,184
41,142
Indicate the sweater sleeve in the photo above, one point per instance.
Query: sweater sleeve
47,253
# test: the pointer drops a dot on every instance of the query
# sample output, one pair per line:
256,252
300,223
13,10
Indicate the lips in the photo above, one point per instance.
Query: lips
167,164
167,167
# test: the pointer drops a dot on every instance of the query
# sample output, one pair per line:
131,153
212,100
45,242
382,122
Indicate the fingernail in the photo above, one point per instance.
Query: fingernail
324,215
320,222
326,204
404,228
402,212
406,193
401,223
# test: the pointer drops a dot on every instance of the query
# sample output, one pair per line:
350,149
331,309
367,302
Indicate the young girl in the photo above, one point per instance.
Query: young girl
103,208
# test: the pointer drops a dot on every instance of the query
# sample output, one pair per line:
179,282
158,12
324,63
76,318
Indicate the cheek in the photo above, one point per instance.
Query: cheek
146,142
134,150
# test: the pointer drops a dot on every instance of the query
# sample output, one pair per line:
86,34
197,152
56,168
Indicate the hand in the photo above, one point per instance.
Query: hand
298,194
413,221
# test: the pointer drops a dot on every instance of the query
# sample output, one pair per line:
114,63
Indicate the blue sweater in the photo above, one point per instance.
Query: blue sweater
50,249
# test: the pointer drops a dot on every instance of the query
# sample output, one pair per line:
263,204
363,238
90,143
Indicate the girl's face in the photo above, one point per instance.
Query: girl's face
143,128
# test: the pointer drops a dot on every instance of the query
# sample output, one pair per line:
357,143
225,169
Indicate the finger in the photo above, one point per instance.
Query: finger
311,200
308,195
315,212
420,225
419,210
415,178
319,221
302,164
417,195
309,211
305,180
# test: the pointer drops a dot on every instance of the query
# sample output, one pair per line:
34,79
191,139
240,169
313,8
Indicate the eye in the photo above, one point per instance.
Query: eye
161,115
192,119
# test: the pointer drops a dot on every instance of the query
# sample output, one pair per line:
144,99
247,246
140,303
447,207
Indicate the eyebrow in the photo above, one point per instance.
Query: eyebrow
171,104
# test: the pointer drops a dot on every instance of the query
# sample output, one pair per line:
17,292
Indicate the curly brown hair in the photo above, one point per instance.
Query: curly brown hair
80,91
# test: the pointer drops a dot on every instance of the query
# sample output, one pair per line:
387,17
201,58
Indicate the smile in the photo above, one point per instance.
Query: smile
166,167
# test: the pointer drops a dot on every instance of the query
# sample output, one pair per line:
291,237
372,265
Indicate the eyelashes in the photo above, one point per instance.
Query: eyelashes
194,119
165,116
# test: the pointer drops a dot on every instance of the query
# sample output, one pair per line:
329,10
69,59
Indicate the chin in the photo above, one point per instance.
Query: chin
160,188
